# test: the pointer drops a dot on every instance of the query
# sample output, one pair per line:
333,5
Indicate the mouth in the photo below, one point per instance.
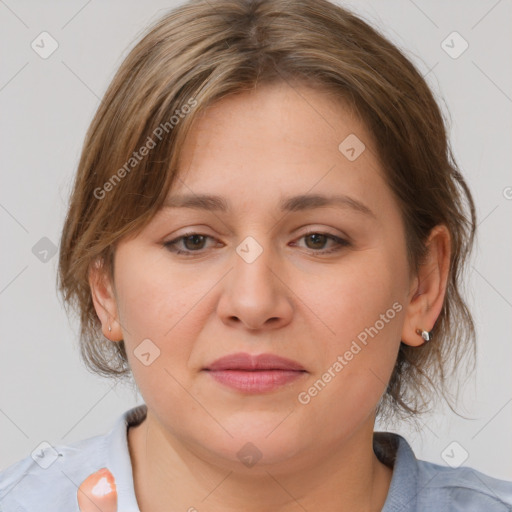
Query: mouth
255,373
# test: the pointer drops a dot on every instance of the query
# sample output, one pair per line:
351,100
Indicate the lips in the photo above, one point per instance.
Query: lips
248,362
261,373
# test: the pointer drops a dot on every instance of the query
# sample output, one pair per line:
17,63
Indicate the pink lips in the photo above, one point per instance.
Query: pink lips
255,373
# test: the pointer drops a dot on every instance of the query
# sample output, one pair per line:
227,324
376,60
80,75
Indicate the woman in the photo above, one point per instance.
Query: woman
267,229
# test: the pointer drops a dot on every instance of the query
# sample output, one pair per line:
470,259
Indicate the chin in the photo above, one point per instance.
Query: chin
259,441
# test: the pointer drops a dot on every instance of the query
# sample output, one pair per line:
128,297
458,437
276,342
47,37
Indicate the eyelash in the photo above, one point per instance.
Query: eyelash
171,245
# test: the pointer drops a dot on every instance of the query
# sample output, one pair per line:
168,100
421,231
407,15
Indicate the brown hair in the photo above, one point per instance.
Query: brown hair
203,51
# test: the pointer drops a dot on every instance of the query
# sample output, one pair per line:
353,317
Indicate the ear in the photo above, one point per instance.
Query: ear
105,302
428,287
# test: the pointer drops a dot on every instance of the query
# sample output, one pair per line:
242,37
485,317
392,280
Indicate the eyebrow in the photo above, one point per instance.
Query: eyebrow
288,204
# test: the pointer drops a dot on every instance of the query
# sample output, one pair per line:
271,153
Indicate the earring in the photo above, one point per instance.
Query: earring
426,335
109,328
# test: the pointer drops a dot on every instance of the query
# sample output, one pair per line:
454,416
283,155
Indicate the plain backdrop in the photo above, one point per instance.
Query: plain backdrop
46,394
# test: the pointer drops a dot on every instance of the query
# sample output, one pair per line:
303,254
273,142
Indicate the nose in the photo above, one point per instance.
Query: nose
256,294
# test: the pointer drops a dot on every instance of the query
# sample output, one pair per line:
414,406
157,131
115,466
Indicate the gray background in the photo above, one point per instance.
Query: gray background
47,104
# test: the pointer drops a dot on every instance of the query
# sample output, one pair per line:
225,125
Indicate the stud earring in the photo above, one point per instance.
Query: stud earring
109,328
426,335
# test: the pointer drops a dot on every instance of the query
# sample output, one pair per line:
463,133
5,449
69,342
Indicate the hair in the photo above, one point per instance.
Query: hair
203,51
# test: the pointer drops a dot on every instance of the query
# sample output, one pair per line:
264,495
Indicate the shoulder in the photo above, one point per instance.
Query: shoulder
424,486
48,479
463,488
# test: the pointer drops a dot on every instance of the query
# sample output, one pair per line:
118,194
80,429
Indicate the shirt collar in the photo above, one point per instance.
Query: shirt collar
394,451
391,449
118,458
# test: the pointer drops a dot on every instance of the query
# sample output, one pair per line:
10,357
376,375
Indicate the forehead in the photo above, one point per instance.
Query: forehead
278,141
274,116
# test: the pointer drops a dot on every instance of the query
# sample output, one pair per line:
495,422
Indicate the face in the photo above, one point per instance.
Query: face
323,284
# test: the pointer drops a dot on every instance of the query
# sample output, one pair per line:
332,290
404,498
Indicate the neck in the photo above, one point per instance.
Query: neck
169,475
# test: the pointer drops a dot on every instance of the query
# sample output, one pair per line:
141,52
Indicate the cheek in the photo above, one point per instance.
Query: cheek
156,302
363,306
151,294
159,304
353,297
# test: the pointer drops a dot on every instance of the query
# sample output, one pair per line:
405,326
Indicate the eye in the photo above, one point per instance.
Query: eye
316,240
191,243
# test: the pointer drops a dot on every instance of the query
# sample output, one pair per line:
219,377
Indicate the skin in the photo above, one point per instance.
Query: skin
254,148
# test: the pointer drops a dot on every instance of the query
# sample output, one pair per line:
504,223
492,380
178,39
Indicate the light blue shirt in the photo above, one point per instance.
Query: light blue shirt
49,481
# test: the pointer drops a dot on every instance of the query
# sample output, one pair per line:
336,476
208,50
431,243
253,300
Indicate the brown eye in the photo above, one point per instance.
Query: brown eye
317,241
192,242
188,243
